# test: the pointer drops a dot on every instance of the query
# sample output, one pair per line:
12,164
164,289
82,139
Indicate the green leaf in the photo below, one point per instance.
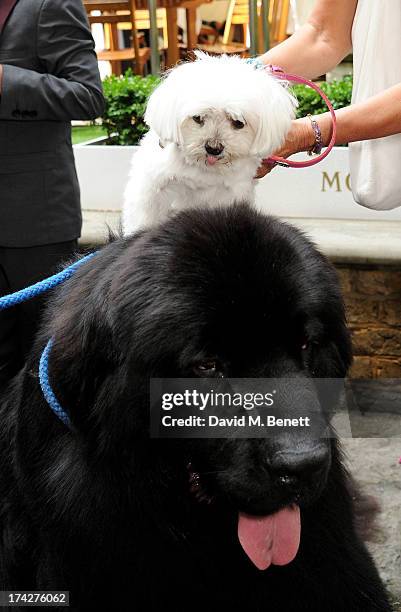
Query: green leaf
126,98
309,101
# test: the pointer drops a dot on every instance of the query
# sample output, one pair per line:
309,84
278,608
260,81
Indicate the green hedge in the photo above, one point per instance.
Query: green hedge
126,99
338,92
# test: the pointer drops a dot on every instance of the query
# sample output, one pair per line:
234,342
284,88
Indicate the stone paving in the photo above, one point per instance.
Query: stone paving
374,463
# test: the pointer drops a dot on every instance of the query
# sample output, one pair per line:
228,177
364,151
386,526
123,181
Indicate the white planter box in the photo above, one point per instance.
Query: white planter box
102,173
319,192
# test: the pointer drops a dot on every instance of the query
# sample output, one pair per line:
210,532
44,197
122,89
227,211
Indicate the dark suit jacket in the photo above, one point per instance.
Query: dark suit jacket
50,77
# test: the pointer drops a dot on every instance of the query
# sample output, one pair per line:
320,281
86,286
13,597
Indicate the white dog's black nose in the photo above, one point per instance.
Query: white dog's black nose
216,149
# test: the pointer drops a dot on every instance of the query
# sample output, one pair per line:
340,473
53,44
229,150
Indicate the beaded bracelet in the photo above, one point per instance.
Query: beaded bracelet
318,146
256,63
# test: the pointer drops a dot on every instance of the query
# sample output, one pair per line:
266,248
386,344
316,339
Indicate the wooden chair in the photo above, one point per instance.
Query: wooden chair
142,21
110,18
278,20
238,14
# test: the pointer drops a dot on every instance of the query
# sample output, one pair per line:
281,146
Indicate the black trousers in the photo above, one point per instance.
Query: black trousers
19,268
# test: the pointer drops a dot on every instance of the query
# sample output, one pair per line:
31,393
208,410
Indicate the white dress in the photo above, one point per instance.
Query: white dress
376,164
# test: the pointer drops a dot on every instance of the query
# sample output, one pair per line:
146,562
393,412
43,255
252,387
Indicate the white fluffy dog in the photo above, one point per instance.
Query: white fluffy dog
211,123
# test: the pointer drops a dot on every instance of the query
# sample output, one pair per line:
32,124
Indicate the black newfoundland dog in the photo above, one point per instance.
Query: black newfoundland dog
119,519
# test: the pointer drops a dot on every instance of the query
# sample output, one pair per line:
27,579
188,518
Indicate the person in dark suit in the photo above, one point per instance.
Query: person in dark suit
48,76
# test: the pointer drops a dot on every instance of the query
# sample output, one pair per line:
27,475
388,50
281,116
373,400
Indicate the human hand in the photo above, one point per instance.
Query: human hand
301,137
265,168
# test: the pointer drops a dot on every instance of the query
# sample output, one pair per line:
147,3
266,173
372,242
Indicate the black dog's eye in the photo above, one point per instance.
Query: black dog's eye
237,124
307,343
198,119
208,368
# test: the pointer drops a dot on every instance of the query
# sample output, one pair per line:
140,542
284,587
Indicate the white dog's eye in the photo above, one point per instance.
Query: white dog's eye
237,124
198,119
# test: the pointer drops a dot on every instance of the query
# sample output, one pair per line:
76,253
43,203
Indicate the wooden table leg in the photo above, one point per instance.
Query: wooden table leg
116,66
260,33
173,54
191,28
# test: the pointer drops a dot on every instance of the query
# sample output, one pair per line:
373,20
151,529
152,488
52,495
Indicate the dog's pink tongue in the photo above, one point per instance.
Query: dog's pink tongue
270,539
211,160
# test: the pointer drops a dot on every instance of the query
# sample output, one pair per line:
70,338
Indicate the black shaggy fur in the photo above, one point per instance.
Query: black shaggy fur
106,513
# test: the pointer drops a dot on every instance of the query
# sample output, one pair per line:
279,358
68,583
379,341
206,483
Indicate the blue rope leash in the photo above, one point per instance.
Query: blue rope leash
28,293
45,385
42,286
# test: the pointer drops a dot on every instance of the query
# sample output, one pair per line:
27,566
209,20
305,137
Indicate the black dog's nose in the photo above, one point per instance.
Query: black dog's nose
294,469
215,150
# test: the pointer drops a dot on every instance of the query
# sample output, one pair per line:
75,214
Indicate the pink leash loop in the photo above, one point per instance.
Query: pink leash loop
280,74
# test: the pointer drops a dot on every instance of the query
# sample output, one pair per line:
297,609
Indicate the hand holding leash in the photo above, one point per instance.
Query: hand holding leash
317,147
280,74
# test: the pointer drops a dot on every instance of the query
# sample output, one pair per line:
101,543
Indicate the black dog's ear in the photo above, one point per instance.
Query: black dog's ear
339,335
336,349
80,364
83,353
335,356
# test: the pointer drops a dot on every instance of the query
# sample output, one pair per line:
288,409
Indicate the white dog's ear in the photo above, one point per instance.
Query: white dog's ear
272,115
163,109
